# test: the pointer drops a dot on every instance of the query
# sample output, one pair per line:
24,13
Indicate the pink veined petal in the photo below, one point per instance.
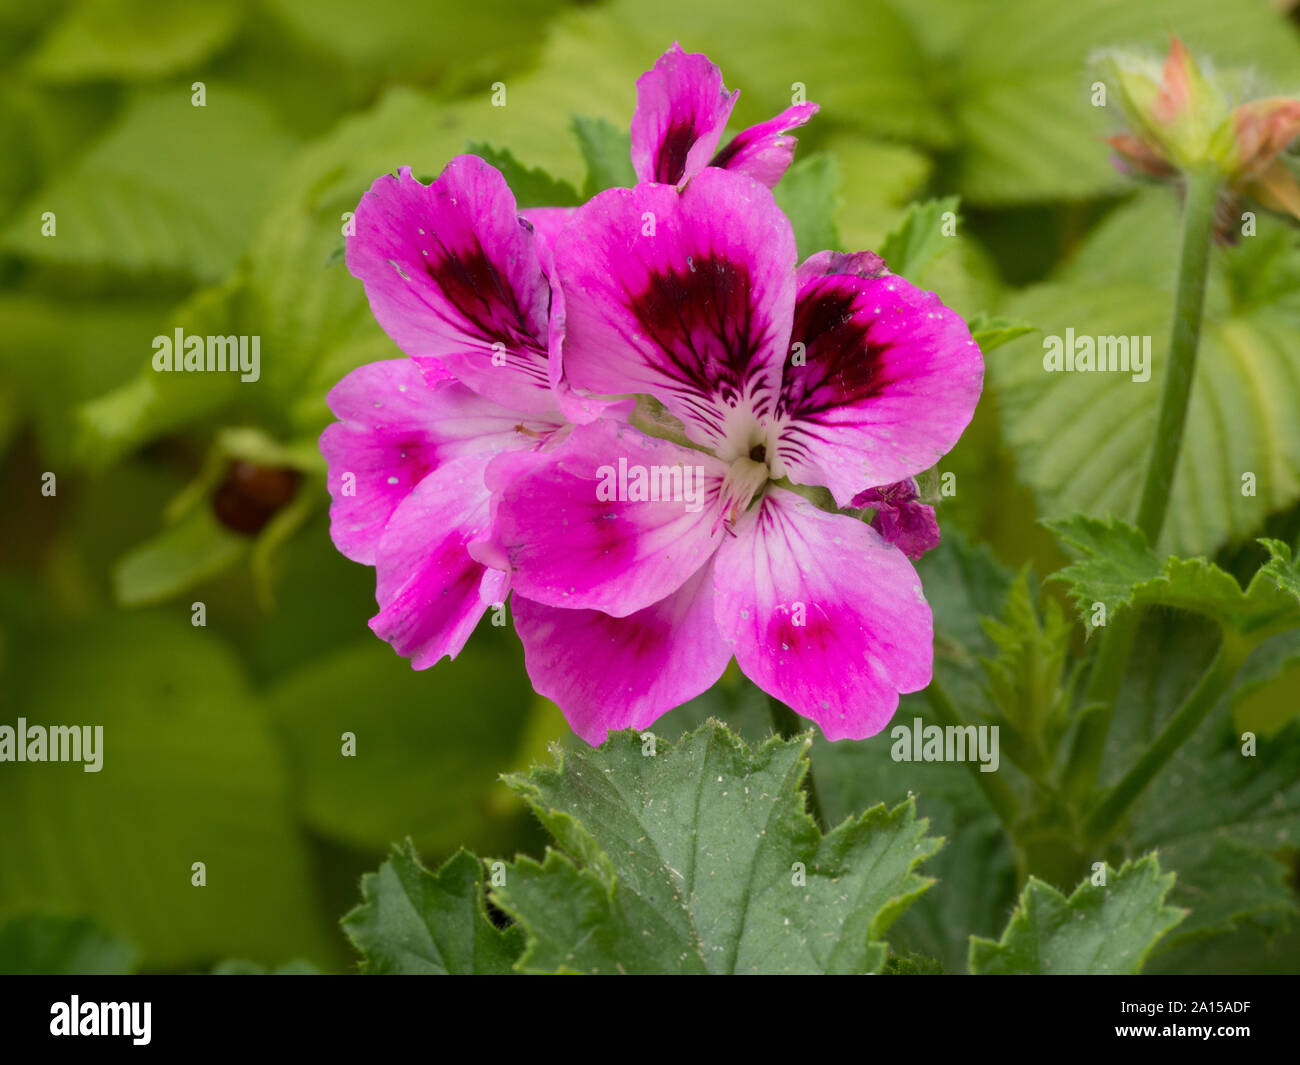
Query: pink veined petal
574,406
547,222
764,151
610,673
887,379
568,544
823,614
453,274
682,108
395,426
901,518
687,296
431,593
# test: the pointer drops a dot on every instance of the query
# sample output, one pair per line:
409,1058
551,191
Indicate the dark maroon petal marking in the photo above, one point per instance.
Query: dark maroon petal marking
702,317
842,364
670,160
471,283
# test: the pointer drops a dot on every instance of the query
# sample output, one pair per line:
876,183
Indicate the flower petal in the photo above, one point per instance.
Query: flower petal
764,151
682,108
547,221
886,382
396,426
823,615
431,593
453,274
610,673
1261,130
575,534
686,296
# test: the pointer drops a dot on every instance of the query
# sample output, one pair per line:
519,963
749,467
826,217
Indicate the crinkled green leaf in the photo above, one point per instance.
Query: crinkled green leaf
919,239
607,151
1098,930
533,187
703,851
1026,677
1116,568
992,331
413,921
809,194
462,46
858,59
133,39
172,189
46,945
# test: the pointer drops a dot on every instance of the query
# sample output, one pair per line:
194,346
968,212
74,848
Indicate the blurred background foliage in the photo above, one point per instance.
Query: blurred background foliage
223,741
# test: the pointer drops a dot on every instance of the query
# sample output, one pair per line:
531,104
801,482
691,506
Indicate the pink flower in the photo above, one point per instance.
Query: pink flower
682,107
458,281
836,375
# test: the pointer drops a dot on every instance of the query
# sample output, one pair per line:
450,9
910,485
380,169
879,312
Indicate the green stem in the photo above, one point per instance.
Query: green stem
1189,302
1209,690
788,725
995,789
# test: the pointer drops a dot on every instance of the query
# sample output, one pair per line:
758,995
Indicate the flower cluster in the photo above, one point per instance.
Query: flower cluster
649,424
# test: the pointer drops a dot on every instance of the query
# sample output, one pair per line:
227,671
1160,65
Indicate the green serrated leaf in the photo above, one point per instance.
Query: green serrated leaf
46,945
532,186
920,238
1098,930
607,151
706,847
1027,676
992,331
809,194
1117,569
413,921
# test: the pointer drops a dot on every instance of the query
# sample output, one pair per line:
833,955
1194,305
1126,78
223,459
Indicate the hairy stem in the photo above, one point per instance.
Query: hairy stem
1189,301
